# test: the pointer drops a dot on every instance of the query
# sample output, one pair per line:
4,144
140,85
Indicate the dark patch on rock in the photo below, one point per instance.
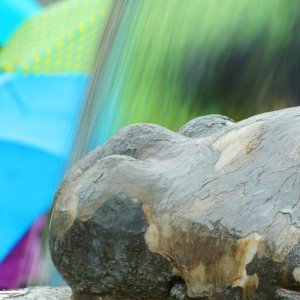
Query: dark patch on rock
178,290
274,275
264,267
107,254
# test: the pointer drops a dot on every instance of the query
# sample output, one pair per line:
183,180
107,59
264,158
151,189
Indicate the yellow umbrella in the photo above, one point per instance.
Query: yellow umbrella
63,38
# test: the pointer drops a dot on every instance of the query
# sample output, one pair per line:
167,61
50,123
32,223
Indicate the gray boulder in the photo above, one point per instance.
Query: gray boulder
211,212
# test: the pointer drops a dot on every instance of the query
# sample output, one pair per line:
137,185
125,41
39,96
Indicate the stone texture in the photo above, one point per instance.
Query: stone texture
210,212
37,293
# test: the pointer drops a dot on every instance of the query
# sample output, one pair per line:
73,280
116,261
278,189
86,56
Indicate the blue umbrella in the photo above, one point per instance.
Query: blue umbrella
12,14
38,117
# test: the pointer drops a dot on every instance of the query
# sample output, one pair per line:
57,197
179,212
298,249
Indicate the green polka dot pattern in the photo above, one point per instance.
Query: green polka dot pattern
62,38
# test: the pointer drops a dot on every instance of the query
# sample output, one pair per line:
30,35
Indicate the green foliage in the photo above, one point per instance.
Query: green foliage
173,60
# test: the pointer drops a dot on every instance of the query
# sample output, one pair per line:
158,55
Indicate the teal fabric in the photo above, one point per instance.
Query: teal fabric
39,115
12,14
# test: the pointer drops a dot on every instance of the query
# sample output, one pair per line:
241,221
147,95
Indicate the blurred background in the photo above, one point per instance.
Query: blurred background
73,72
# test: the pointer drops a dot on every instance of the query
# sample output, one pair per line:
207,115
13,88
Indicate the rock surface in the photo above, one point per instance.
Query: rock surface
37,293
64,293
210,212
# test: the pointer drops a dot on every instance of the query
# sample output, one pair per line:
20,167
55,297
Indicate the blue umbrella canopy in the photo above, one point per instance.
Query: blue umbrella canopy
38,117
12,14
